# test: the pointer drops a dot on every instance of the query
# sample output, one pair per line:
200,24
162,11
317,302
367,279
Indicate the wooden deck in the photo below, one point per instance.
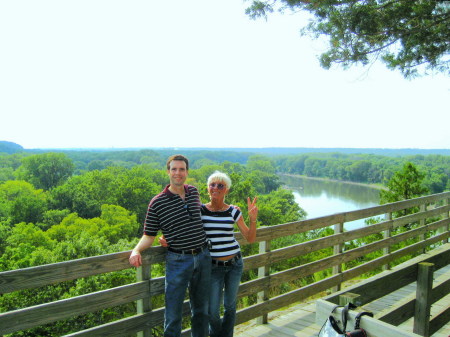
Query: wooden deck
299,320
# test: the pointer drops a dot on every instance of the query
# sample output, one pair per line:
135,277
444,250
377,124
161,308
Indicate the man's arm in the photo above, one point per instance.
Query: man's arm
144,243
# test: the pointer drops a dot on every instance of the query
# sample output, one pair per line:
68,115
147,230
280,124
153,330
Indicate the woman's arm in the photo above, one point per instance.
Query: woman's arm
249,233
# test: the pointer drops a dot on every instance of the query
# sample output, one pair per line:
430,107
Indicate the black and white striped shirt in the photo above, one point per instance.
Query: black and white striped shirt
179,220
219,228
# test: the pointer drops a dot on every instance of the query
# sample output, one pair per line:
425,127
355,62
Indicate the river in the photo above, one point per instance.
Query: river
325,197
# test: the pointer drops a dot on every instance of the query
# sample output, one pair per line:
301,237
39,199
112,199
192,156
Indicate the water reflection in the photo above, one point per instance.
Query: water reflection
321,197
308,187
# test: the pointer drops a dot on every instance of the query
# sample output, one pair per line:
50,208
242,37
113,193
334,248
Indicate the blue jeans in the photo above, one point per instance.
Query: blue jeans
193,272
225,281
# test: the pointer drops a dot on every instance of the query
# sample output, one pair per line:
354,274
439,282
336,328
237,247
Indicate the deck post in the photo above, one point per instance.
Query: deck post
143,273
387,234
446,216
264,247
337,249
423,299
349,298
423,208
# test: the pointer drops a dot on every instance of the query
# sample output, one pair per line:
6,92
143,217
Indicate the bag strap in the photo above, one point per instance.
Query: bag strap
358,317
345,310
347,307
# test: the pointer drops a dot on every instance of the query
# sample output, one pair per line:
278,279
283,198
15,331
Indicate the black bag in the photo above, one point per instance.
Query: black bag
331,327
359,332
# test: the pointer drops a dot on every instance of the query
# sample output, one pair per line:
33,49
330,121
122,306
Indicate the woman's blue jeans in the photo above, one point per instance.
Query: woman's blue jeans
225,281
185,271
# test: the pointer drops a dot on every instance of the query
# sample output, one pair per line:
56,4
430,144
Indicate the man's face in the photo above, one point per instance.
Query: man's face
177,172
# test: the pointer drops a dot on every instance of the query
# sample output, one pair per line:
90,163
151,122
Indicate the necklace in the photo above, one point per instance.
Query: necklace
217,209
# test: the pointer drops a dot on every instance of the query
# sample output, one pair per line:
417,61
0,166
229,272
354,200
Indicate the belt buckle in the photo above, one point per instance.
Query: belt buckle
194,251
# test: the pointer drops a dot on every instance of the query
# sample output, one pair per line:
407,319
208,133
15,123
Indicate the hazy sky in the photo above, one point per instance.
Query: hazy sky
108,73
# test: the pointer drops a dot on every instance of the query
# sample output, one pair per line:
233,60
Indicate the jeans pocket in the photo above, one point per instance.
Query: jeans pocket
173,257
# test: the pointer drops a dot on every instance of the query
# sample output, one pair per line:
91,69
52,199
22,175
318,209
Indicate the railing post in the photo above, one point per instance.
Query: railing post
337,249
144,305
446,216
423,299
264,247
387,234
347,298
423,208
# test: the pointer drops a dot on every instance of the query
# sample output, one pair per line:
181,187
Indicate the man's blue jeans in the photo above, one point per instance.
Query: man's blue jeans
225,282
185,271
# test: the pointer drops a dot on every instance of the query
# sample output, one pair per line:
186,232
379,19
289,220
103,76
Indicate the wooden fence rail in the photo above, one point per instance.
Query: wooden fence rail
385,322
434,229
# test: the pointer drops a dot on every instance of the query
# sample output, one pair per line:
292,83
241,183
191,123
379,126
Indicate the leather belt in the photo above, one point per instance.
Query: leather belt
193,251
227,262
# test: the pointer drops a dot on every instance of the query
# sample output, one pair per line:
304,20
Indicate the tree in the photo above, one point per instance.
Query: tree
46,170
129,188
405,34
404,184
21,202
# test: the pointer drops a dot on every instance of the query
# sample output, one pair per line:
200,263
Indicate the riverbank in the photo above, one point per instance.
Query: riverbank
375,186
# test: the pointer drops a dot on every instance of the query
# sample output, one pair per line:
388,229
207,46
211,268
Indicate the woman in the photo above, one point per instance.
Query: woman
227,265
218,221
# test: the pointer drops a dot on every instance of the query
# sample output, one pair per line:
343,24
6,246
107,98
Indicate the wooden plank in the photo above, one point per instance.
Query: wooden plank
124,327
50,312
388,281
440,290
262,260
439,320
39,276
273,232
398,313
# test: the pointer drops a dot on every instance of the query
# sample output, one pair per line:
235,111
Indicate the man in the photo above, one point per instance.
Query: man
176,212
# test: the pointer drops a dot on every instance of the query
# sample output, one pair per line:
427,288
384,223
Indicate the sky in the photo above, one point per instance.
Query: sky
121,74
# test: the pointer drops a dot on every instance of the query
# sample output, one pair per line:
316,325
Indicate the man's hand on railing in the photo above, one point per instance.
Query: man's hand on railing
144,243
135,259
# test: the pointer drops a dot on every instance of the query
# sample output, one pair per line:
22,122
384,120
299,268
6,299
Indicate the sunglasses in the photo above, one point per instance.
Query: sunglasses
218,185
186,207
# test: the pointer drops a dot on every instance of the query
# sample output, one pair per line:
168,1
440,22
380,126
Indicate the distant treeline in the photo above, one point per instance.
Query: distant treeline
366,168
342,164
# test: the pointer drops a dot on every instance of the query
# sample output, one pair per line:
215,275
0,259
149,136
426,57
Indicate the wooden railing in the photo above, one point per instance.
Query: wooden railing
420,271
434,229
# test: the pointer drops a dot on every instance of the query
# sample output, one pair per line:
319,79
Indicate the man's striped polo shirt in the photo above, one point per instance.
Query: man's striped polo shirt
178,219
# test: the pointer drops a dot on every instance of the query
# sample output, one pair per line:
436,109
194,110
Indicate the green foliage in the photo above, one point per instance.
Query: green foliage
279,207
46,170
404,184
86,193
403,34
21,202
366,168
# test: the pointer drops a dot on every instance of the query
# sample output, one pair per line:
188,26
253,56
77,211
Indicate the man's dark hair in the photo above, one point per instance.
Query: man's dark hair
177,157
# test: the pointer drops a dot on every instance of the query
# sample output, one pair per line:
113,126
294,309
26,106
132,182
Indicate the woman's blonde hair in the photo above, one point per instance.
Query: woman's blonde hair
220,177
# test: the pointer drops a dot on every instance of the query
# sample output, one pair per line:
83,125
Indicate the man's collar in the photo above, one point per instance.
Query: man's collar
167,192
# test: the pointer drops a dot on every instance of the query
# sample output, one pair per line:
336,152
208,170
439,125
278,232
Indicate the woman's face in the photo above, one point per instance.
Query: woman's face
217,190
